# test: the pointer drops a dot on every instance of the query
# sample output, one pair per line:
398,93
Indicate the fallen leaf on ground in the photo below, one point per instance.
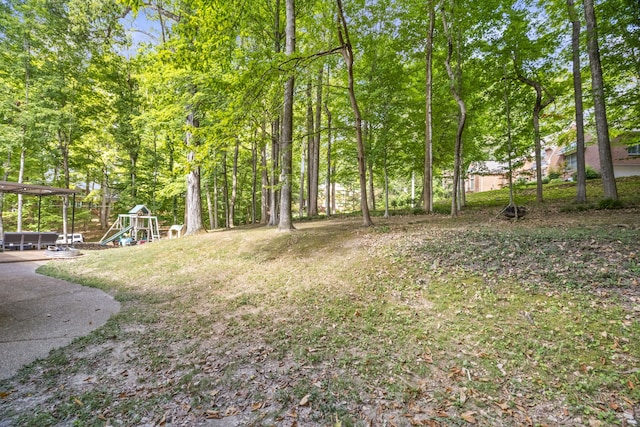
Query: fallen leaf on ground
232,410
469,417
503,406
305,400
212,415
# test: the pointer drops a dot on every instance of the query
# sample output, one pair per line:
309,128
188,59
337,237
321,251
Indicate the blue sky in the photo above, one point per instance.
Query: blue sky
141,28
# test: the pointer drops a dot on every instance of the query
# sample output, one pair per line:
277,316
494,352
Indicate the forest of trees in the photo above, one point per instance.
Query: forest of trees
254,111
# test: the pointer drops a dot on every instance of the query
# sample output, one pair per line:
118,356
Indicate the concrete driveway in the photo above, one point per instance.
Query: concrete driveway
39,313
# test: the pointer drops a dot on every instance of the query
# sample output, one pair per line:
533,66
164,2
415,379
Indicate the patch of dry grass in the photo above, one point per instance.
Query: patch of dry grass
405,323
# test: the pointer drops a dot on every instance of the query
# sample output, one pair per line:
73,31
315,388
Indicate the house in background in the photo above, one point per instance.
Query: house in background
492,175
551,161
485,176
626,158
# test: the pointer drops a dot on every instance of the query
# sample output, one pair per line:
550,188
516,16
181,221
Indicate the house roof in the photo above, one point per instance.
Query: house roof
140,210
489,167
33,189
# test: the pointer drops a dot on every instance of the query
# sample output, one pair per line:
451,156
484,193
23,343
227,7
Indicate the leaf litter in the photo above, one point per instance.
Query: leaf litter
400,325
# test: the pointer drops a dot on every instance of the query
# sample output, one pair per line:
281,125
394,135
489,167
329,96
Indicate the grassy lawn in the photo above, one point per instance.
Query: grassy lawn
419,320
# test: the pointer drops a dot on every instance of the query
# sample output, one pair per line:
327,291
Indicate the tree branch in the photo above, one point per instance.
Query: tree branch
300,59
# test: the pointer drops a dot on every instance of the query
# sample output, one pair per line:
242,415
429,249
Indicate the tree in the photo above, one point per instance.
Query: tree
286,221
193,201
347,54
538,106
597,87
581,193
462,117
428,150
314,149
533,50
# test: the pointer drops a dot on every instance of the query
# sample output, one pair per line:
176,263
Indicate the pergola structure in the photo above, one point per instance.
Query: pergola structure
41,190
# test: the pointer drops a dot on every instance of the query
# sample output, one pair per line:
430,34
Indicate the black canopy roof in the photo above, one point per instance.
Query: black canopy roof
34,190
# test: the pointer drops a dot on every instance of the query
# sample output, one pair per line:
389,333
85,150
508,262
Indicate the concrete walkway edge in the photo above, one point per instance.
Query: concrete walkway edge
40,313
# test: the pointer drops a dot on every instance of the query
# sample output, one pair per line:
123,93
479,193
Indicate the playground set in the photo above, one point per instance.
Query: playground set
137,226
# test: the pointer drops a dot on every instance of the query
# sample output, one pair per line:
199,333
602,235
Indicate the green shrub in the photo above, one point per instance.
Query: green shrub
443,209
554,174
610,204
546,180
556,181
521,182
591,173
577,207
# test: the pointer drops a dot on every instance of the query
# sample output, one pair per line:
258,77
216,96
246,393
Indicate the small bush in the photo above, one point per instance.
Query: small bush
610,204
577,207
556,181
546,180
554,174
591,173
442,209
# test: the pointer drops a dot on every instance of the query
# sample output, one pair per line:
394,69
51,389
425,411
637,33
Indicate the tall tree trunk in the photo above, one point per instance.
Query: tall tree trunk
209,205
286,221
5,177
581,189
369,161
215,200
537,109
310,143
314,155
413,189
462,117
333,191
133,159
347,54
23,152
154,184
463,176
329,197
428,157
310,150
303,152
27,82
172,162
266,194
225,189
274,193
509,140
597,86
462,201
64,141
106,197
372,193
193,202
254,179
234,185
386,185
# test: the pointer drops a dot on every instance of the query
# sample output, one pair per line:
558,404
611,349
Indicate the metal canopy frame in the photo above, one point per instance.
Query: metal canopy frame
41,190
34,190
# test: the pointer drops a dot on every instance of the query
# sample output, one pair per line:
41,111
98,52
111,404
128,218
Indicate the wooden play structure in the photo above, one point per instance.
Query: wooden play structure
136,226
